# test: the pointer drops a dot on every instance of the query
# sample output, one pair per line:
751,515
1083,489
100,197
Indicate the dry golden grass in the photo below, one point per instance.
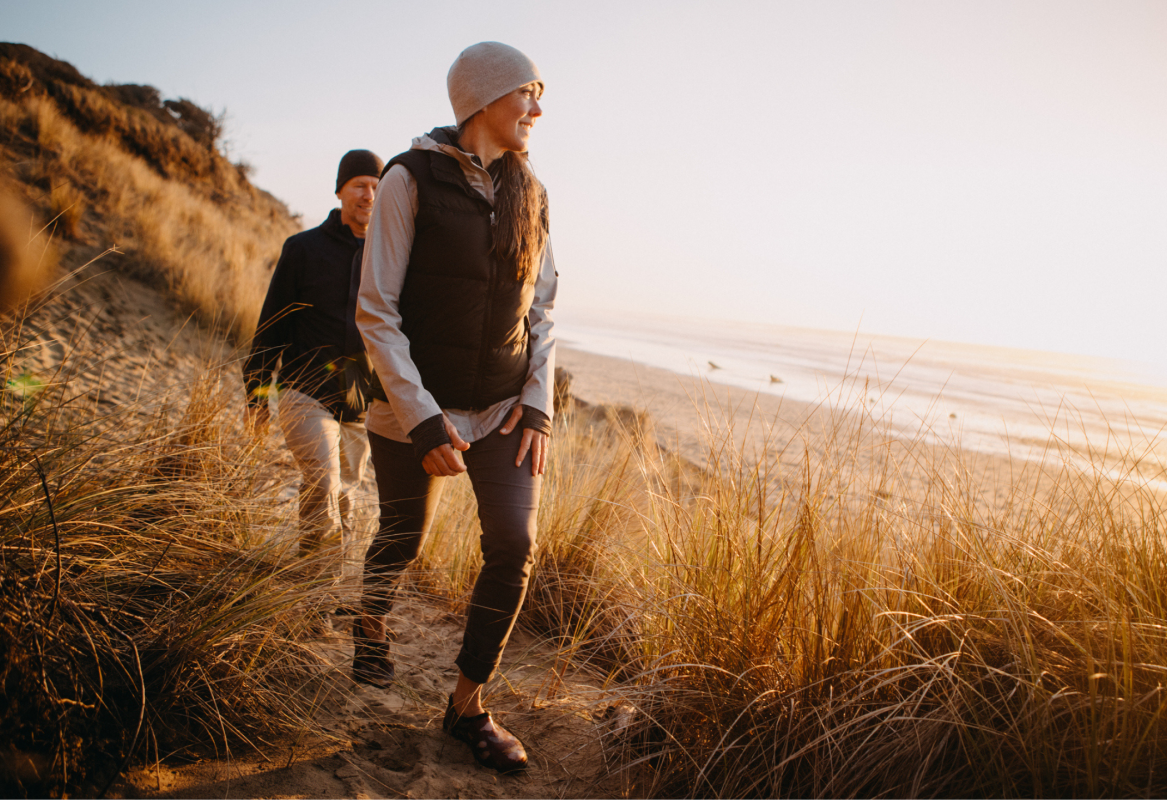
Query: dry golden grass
146,609
214,260
26,267
826,634
758,632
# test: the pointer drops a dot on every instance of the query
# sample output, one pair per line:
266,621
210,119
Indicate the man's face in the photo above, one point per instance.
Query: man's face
356,199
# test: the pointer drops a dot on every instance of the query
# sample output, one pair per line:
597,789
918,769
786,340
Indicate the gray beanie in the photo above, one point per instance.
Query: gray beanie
484,72
356,163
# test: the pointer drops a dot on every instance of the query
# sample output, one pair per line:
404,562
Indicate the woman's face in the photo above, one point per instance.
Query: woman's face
509,118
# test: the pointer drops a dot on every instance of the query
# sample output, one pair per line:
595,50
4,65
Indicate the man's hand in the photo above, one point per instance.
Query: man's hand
257,419
533,441
442,460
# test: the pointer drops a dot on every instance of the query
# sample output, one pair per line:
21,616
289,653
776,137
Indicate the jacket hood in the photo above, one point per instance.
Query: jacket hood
445,141
441,140
445,134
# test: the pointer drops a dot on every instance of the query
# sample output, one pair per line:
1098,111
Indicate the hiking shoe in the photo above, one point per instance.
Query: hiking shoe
371,662
492,744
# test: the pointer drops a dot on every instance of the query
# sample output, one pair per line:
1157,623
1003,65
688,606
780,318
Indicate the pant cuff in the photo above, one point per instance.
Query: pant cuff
474,668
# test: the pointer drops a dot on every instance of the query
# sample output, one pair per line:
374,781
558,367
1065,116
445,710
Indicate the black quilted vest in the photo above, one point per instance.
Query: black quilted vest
463,311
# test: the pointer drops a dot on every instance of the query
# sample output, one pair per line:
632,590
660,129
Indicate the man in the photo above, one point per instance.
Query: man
307,335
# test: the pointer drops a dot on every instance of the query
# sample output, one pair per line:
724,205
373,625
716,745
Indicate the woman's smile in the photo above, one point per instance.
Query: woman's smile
510,118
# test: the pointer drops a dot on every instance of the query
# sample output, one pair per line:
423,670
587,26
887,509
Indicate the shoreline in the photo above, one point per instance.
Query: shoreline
685,409
987,400
696,418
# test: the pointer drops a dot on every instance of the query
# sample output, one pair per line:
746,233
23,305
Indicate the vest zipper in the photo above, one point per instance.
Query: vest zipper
476,392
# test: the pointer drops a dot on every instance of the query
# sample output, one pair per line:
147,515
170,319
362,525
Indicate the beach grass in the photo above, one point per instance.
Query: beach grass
852,630
147,610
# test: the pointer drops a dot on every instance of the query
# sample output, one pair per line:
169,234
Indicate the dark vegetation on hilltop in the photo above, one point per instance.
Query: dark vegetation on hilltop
176,137
118,167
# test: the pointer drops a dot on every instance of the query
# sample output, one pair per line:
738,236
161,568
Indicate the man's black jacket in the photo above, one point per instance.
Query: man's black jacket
307,326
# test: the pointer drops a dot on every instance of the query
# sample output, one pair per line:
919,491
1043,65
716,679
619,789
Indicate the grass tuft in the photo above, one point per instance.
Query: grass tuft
146,609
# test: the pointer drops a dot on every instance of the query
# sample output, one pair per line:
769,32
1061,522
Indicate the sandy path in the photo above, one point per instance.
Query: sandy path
389,743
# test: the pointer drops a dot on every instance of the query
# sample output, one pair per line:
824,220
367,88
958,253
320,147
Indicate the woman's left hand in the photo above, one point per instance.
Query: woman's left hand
533,441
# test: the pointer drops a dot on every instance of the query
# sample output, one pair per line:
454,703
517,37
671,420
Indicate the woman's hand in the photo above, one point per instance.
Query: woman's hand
442,460
533,441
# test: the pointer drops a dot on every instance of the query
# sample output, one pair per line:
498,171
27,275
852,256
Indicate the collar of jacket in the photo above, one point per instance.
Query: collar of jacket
338,230
447,136
449,163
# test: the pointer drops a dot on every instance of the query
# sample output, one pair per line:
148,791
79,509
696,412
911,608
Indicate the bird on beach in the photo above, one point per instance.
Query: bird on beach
775,379
713,366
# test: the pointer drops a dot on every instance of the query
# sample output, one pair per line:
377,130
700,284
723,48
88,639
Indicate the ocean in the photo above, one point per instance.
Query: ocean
1104,414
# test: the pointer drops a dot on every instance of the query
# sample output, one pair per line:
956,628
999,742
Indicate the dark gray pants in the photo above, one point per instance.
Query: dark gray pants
508,504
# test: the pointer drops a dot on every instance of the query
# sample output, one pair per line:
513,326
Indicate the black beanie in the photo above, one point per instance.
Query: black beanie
357,163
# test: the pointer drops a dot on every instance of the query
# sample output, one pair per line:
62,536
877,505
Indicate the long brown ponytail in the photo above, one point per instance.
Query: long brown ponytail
520,206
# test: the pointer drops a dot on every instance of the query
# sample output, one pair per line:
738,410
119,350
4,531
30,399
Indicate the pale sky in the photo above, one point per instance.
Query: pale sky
983,172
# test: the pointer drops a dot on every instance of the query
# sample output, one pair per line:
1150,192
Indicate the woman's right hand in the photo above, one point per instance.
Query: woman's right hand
443,461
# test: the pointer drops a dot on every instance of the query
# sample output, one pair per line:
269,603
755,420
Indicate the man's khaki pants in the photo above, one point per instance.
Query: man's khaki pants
332,457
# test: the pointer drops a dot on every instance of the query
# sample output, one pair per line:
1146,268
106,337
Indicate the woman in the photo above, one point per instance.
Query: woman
457,285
